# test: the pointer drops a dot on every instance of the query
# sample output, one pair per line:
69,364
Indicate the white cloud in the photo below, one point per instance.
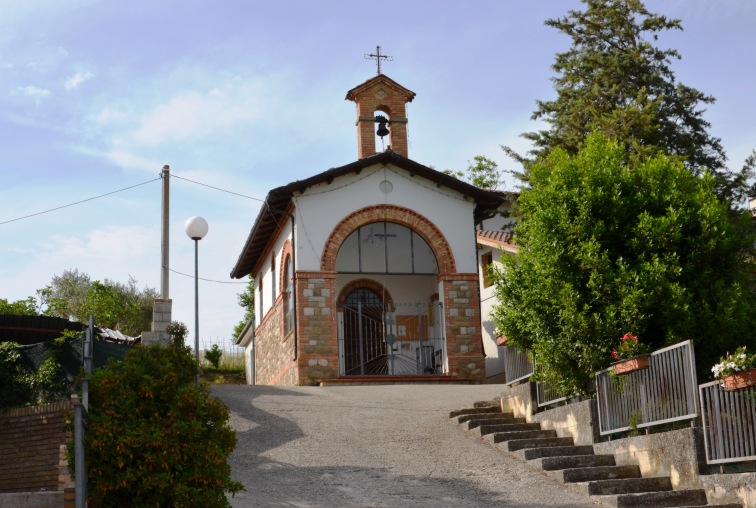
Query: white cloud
77,79
111,246
192,115
126,159
34,92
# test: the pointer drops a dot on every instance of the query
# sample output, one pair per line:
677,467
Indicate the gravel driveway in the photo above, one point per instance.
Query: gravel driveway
374,446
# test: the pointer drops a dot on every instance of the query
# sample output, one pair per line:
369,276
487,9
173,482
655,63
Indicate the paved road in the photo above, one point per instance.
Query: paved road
375,446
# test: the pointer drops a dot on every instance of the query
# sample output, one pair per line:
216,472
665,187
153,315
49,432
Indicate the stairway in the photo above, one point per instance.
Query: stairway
597,475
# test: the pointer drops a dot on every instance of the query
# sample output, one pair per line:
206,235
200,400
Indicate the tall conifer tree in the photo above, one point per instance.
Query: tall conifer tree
614,80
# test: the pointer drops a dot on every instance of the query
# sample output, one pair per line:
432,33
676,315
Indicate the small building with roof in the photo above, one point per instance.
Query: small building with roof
370,268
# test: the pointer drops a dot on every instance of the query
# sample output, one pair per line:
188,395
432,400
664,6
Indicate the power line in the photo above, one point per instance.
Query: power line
218,189
79,202
210,280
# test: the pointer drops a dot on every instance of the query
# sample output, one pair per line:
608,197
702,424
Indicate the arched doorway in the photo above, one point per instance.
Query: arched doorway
389,316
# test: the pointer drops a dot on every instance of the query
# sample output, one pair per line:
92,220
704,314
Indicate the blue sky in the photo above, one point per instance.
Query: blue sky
247,95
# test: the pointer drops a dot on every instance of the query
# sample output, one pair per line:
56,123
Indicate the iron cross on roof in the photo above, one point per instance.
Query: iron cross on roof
377,57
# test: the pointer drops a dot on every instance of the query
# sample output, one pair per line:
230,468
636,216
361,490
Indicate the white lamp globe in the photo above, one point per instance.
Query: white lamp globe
196,228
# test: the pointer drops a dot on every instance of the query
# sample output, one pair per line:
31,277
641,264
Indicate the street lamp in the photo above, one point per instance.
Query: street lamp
196,229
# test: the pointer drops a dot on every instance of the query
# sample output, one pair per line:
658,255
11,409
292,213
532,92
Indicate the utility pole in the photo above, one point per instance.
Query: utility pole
164,237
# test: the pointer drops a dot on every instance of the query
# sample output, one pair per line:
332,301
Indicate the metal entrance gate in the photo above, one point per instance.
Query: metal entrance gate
401,340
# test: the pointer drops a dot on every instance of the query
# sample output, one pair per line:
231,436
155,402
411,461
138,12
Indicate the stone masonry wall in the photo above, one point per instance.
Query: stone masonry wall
316,323
274,352
463,326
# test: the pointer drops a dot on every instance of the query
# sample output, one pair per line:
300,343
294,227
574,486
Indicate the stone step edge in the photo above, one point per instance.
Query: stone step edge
641,483
553,451
586,474
693,497
560,463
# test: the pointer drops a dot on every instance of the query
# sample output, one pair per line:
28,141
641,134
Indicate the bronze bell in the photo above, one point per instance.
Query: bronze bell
382,129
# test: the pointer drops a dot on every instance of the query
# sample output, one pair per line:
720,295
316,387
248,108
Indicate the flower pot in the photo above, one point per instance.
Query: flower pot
740,380
639,362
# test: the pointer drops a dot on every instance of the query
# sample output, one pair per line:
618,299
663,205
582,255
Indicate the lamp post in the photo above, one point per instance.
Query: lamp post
196,229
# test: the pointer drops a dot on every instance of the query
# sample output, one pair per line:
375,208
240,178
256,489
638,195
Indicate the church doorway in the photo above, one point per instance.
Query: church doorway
377,334
362,321
378,337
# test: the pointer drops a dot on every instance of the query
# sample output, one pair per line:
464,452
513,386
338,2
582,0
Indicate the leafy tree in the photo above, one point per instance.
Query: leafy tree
66,295
246,301
125,307
484,174
611,244
614,80
27,307
153,437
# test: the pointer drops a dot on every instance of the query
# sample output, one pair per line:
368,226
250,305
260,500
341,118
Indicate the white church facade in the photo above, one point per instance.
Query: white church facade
372,268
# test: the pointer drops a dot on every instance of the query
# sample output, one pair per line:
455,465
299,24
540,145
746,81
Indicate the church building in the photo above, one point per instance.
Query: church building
368,269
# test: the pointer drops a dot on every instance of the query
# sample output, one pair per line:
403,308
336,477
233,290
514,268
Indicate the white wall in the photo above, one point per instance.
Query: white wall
264,304
494,359
322,207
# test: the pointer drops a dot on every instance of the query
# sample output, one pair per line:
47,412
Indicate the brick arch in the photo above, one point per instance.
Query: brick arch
370,284
389,213
285,251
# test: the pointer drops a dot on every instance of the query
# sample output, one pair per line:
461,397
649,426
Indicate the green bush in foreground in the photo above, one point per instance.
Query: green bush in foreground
154,438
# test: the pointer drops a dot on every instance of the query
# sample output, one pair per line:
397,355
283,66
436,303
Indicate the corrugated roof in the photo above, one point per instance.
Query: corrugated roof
277,205
500,239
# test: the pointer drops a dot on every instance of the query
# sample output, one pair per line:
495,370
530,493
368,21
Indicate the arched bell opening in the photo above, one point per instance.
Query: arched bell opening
382,118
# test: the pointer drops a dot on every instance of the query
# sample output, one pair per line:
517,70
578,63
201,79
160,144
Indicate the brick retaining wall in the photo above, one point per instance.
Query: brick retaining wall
32,443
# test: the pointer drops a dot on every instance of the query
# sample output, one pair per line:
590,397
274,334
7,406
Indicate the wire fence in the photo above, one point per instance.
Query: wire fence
232,357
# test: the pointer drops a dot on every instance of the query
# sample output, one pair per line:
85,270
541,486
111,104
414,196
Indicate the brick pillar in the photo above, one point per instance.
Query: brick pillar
318,355
463,325
161,318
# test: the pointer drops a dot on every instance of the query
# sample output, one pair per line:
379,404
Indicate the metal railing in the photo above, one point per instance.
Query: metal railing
548,395
517,365
374,342
663,393
729,423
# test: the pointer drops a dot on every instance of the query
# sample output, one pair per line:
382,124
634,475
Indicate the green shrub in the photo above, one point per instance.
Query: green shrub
16,391
22,385
178,332
154,438
213,355
610,245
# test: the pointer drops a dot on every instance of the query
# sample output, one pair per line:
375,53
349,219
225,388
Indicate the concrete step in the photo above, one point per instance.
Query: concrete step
477,422
553,451
539,442
488,403
499,437
573,462
485,416
726,505
491,428
473,411
627,486
679,498
587,474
